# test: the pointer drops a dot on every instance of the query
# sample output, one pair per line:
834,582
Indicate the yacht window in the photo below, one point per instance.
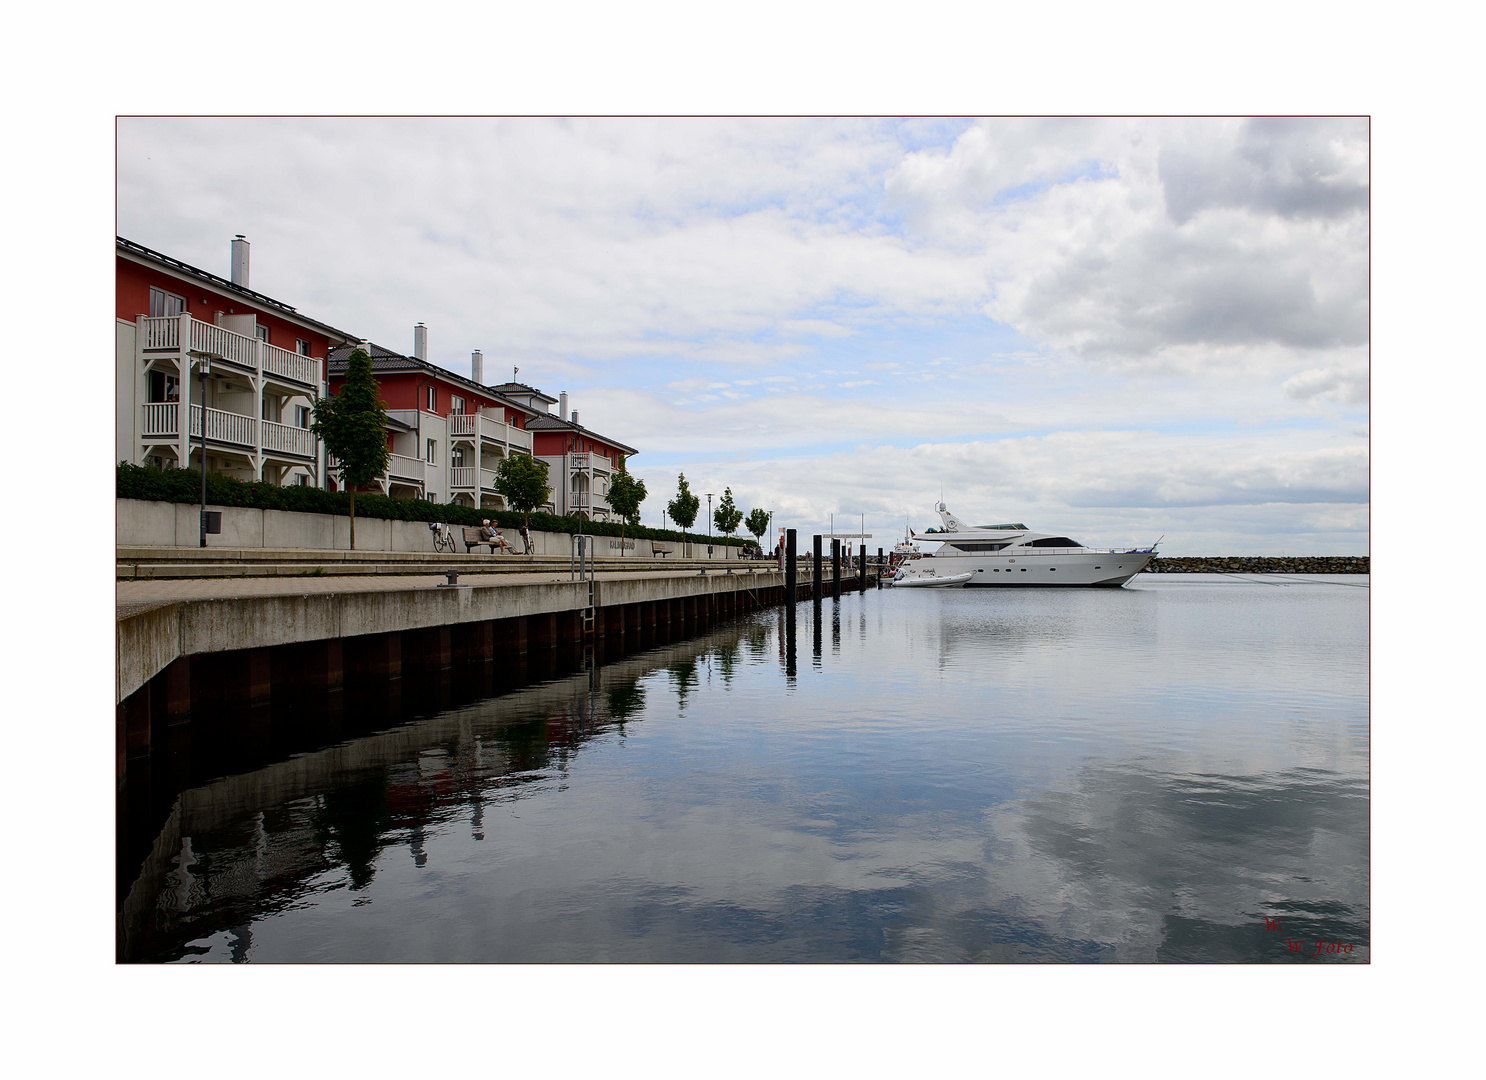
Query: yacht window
979,547
1054,541
1006,526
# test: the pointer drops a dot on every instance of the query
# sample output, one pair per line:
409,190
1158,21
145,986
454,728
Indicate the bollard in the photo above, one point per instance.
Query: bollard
835,569
789,567
862,569
817,568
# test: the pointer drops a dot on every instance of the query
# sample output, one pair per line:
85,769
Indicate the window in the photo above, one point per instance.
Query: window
301,346
164,387
302,480
1054,541
164,303
302,416
978,547
262,332
456,404
456,459
431,444
433,401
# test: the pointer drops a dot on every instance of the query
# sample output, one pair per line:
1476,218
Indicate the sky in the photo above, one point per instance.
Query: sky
1113,329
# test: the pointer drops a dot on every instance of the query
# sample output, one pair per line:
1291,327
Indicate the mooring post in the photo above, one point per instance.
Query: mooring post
815,565
835,569
862,569
881,566
789,566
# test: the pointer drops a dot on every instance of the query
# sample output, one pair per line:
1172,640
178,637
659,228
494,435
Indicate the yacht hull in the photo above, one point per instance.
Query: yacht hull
1099,569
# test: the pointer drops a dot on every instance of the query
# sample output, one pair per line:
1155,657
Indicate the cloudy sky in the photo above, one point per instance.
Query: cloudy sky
1114,329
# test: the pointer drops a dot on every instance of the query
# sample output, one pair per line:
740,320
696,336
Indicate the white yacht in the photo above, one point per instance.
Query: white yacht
1012,555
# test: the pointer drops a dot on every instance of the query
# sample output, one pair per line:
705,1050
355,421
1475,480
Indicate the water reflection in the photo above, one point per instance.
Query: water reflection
980,778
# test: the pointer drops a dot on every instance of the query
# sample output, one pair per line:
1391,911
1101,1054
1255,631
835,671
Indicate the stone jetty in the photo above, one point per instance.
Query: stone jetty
1259,564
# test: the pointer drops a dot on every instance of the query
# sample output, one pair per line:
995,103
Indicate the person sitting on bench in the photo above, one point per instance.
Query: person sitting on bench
491,534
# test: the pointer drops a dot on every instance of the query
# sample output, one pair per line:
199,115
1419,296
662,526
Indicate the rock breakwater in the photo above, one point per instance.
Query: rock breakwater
1259,564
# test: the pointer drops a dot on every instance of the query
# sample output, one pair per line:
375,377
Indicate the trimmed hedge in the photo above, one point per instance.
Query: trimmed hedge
184,486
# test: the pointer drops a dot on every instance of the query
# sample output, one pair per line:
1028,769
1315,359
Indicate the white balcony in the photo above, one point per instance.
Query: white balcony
165,335
400,467
463,424
462,478
283,439
478,425
161,420
487,479
225,427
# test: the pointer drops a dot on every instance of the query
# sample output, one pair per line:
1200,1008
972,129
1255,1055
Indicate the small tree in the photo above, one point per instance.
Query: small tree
625,496
522,481
757,523
684,507
727,517
353,427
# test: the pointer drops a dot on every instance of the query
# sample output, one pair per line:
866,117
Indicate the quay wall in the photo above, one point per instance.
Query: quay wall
149,523
1259,564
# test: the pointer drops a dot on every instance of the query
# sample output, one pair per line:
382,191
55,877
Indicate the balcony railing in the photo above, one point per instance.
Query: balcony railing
283,439
290,365
462,423
578,500
487,479
165,333
162,418
405,468
224,427
462,476
578,461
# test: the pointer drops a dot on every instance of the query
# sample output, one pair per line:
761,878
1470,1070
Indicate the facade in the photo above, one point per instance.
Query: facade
448,434
183,333
251,368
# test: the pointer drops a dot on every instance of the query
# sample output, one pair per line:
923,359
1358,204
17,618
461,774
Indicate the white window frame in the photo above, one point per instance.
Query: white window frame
429,450
164,303
302,346
433,398
456,404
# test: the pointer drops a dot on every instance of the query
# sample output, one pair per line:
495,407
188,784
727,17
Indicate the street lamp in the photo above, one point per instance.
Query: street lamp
204,365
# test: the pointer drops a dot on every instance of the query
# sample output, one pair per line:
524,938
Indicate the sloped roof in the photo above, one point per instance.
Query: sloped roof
223,284
548,422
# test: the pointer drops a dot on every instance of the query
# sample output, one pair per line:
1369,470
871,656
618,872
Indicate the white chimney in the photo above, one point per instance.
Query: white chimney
575,417
240,261
477,367
420,341
562,405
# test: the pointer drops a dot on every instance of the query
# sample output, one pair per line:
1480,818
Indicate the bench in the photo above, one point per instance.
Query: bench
473,539
658,549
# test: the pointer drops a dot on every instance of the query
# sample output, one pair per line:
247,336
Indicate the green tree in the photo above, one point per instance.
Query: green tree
757,523
625,496
522,481
685,506
353,427
727,517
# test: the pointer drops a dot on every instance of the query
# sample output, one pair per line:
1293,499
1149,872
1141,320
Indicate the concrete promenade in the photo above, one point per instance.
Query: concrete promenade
159,622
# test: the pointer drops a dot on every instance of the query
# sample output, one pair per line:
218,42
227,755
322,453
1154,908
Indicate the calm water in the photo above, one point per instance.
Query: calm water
1136,775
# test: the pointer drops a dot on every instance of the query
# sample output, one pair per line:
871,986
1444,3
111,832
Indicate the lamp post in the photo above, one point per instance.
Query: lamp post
204,365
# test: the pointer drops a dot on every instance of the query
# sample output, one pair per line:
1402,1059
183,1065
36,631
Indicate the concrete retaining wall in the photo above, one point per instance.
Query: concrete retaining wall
146,523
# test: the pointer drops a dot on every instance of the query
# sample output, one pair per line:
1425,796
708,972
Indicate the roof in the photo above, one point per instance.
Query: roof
223,284
548,422
385,360
522,388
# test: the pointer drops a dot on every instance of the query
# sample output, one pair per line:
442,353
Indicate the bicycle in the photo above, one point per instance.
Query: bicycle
443,539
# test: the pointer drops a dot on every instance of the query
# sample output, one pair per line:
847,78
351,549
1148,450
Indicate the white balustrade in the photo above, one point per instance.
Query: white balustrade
405,468
218,341
288,440
463,476
487,479
578,461
161,419
290,365
462,424
224,426
515,436
161,332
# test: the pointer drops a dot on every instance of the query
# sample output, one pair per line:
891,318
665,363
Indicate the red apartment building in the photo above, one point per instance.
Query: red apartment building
259,365
185,333
448,433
